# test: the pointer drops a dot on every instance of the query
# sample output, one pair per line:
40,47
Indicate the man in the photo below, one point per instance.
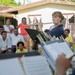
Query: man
15,38
5,44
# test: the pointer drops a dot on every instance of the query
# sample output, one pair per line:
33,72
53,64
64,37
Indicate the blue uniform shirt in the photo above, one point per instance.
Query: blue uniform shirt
57,31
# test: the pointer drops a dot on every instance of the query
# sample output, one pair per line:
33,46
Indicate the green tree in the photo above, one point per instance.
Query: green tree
71,0
68,0
19,3
9,3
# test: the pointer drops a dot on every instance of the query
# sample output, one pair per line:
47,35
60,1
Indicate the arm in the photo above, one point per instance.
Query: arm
9,43
0,47
18,26
71,41
40,26
62,64
0,50
11,29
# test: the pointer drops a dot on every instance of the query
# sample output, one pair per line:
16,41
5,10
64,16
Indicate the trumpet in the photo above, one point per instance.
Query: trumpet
35,24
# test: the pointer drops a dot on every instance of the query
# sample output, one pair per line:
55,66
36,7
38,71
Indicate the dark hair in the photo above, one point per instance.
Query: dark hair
46,30
20,43
3,32
24,18
1,26
16,28
67,30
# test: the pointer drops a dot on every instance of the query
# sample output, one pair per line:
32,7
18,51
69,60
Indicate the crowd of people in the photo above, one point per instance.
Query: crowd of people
11,41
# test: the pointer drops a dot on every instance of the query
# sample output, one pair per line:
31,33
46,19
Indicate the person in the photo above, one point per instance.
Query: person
1,29
24,33
15,38
62,64
21,48
5,44
58,30
46,30
8,27
68,38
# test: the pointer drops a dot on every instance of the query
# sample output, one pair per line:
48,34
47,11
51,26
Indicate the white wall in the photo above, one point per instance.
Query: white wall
46,15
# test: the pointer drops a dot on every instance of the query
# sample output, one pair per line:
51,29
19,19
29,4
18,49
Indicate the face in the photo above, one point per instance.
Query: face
4,35
8,22
56,20
66,33
21,46
16,31
24,21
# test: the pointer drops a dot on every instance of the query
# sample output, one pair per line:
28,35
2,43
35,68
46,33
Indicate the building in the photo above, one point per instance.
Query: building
43,10
4,15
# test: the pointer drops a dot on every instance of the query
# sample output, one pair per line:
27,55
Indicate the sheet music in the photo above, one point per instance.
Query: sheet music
52,51
56,48
36,65
10,67
65,48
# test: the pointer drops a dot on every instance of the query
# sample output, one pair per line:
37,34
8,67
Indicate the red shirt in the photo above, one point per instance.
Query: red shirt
22,29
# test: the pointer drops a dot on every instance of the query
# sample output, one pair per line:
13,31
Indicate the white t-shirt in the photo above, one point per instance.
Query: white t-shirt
5,44
15,39
7,29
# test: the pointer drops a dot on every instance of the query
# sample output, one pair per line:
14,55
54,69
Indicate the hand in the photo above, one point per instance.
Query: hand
48,36
71,43
62,64
40,26
11,29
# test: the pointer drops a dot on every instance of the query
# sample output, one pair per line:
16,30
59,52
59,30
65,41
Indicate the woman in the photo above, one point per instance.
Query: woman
8,27
58,30
24,33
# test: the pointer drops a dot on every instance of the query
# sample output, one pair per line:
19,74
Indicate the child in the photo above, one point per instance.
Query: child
68,38
21,48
